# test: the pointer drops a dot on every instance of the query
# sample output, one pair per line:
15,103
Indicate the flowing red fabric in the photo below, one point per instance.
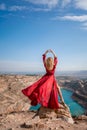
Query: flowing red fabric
44,91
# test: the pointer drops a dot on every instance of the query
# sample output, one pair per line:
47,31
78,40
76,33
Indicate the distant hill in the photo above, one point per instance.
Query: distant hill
82,73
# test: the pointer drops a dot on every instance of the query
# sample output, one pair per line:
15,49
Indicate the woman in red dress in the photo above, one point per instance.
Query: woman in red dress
45,91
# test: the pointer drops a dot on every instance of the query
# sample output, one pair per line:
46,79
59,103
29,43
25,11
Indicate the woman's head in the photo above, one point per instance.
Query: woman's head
49,63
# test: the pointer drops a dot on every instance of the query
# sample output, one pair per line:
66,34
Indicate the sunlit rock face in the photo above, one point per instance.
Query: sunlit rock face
11,98
62,113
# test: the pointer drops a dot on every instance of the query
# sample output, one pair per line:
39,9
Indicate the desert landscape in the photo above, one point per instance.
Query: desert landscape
14,106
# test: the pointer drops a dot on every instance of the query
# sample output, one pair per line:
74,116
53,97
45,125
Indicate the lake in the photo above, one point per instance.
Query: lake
75,108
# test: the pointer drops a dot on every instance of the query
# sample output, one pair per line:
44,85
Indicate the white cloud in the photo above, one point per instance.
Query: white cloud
46,5
16,8
40,9
81,4
49,3
78,18
84,28
85,24
13,8
82,19
2,6
21,8
65,2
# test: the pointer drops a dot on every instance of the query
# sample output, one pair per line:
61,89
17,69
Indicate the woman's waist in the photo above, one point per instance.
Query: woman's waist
50,73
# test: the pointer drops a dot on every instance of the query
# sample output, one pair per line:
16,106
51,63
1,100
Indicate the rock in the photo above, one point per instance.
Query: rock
61,126
60,113
82,117
68,119
46,113
24,125
10,129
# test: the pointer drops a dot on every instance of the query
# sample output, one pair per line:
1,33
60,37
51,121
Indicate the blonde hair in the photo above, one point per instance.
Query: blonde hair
49,63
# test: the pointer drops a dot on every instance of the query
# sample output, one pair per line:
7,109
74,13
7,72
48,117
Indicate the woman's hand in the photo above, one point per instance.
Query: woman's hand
52,52
49,50
46,52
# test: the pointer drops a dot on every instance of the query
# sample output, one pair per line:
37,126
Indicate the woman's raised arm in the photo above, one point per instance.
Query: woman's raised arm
52,53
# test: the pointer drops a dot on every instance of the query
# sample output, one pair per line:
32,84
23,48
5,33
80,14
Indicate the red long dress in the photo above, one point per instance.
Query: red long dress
44,91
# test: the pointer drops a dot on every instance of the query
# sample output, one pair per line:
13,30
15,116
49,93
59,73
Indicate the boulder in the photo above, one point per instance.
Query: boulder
63,113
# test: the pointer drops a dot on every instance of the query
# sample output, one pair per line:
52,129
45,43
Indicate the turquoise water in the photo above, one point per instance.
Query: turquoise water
75,108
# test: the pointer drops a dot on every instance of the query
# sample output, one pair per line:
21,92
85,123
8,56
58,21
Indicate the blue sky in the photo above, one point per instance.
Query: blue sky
29,27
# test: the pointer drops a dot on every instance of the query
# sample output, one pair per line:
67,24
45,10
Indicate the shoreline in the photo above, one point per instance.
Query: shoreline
77,99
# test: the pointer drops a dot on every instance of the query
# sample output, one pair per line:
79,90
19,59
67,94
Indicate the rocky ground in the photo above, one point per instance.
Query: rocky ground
15,114
24,121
